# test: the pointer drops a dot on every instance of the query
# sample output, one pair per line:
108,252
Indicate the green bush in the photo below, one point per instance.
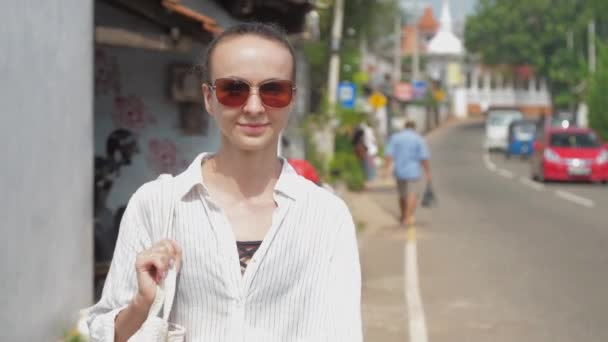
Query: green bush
346,167
597,99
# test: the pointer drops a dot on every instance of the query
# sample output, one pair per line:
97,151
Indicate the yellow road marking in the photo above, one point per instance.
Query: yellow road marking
411,233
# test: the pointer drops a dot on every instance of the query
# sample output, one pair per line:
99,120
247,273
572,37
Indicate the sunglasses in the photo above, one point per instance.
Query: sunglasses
234,93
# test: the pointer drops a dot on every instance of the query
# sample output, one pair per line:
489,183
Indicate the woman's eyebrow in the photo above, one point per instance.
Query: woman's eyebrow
251,83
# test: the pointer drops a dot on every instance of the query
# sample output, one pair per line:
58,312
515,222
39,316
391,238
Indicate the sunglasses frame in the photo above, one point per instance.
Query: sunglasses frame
213,88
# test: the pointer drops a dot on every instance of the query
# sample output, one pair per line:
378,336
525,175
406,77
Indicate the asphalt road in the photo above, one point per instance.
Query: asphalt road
501,258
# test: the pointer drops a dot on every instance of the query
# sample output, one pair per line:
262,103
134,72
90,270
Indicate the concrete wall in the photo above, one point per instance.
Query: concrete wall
46,139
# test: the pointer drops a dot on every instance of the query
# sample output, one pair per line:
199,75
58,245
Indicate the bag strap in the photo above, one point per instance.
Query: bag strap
165,291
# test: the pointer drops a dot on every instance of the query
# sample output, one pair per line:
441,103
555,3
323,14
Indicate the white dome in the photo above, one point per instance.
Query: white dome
445,43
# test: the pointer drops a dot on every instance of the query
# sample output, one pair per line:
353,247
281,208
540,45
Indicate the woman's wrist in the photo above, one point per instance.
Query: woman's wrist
130,320
140,305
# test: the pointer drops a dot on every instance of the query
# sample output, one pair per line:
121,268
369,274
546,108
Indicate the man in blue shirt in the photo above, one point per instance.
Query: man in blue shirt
408,154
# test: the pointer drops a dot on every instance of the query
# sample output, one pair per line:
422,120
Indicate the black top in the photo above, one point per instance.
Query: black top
246,251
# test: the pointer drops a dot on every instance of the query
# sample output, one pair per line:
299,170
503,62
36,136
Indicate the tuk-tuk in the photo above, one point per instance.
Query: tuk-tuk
520,139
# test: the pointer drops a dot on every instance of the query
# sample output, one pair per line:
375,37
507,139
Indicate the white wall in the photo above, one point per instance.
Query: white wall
46,139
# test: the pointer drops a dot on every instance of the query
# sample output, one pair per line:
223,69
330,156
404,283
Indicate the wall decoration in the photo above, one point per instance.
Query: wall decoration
163,157
185,85
107,74
130,113
121,146
193,119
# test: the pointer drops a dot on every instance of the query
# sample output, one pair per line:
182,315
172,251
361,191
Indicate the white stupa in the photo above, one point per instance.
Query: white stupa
445,41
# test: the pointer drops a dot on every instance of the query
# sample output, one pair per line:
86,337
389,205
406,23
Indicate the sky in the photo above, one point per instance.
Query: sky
459,8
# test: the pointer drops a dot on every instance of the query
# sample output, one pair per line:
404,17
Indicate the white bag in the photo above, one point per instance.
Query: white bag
155,328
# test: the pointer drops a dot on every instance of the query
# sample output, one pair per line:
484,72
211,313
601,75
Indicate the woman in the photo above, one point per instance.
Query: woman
262,253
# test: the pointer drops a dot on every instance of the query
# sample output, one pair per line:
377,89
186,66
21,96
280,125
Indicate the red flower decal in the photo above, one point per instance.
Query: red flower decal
129,113
107,74
162,156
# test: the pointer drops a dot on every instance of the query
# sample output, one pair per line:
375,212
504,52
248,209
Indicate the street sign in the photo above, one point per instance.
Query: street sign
377,100
347,92
403,91
439,95
420,89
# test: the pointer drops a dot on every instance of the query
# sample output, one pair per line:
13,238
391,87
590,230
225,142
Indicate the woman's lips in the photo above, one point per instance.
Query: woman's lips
253,129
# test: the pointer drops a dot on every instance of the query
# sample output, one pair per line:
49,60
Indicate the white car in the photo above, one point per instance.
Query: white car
497,127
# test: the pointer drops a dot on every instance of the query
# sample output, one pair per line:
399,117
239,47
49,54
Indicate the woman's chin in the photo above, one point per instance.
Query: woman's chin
252,144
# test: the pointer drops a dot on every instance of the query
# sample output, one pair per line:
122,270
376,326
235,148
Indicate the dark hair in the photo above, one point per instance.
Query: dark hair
411,124
263,30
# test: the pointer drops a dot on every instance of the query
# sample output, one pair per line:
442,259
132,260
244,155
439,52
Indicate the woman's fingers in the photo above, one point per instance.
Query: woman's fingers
177,253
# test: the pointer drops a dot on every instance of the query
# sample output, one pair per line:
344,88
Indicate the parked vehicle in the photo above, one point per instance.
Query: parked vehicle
497,127
569,154
520,138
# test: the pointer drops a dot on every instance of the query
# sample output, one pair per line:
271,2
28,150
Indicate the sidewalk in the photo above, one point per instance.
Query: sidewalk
382,252
381,242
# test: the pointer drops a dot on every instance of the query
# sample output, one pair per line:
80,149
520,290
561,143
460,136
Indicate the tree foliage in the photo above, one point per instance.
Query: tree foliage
548,35
596,95
363,19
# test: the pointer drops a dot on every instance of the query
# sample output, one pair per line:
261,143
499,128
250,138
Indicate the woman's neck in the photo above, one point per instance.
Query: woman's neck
248,173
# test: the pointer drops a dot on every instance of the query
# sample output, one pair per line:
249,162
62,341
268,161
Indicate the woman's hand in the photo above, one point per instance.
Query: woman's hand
152,266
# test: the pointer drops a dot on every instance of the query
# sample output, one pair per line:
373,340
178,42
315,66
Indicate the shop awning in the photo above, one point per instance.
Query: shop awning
212,17
198,19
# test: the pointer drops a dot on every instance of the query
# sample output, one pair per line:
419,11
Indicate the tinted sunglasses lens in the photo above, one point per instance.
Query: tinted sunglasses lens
276,93
232,93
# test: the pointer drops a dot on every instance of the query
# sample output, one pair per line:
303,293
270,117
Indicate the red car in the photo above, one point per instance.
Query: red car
570,154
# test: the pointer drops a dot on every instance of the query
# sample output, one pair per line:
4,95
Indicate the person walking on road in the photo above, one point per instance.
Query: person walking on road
408,155
262,253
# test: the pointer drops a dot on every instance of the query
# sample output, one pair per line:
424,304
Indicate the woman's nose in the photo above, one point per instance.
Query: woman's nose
254,104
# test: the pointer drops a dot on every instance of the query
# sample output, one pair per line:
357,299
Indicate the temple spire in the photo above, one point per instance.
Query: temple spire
446,16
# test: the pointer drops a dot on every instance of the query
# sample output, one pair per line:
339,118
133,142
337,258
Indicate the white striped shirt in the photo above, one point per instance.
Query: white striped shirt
303,283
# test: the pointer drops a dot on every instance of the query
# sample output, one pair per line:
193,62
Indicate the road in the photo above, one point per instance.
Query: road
501,259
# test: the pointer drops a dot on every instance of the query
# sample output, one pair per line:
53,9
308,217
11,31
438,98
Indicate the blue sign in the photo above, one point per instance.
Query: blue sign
347,93
419,89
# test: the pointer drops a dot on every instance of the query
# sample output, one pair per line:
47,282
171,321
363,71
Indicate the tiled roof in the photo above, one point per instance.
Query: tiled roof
427,22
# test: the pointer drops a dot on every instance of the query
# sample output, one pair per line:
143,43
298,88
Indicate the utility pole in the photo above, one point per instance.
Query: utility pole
415,52
592,54
325,135
393,105
397,49
334,62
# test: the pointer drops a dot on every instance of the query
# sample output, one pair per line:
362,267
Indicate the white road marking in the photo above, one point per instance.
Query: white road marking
506,173
532,184
488,162
575,198
417,322
536,186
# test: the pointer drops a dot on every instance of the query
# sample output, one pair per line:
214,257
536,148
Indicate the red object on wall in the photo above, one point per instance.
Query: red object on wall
130,113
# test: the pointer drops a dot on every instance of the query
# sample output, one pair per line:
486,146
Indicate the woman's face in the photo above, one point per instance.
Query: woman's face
252,126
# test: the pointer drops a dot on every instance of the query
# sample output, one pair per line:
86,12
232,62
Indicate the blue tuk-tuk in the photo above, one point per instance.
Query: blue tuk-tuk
520,138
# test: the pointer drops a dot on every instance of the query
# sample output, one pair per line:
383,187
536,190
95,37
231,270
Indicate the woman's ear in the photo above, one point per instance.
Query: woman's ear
207,96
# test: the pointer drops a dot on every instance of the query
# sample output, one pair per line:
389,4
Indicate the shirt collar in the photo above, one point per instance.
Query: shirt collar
289,183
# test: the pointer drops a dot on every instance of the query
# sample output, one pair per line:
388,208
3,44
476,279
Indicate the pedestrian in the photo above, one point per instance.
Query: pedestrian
262,253
408,155
359,148
369,140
